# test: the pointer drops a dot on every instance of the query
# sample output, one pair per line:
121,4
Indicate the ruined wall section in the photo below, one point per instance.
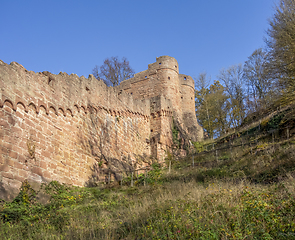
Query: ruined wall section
66,128
190,123
162,78
161,126
160,84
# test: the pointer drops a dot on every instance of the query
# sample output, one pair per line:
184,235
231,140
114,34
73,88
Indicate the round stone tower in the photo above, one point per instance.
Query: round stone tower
187,89
167,72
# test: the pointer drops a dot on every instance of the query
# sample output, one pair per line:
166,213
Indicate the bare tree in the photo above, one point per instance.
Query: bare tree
259,84
232,79
113,71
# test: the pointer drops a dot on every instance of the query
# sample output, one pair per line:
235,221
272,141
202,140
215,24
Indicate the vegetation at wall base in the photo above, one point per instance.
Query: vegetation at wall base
239,186
240,195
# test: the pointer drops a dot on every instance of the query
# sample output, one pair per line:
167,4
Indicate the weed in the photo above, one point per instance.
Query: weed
238,195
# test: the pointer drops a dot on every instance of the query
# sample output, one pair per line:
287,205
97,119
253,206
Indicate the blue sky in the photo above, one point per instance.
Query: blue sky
74,36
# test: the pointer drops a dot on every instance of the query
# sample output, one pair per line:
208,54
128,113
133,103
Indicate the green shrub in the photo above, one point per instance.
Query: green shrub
198,146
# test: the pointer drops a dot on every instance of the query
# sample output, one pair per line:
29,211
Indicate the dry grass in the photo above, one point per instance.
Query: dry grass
243,195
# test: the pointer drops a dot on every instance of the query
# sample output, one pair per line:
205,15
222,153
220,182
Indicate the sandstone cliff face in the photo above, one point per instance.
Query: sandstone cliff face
62,127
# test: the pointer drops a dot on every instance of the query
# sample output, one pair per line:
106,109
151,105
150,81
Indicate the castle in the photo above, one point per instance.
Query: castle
65,128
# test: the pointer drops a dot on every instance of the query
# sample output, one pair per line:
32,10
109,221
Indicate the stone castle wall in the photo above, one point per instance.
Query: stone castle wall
163,78
62,127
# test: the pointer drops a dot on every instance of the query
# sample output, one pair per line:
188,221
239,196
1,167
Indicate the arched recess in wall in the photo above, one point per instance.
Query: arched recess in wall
83,110
69,112
43,110
9,103
53,110
61,112
103,109
94,110
18,101
122,113
76,110
21,105
32,108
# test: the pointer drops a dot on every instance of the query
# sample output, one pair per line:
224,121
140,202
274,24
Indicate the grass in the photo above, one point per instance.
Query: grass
242,194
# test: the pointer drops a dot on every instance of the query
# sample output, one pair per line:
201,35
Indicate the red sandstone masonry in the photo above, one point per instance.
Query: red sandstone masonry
42,140
59,127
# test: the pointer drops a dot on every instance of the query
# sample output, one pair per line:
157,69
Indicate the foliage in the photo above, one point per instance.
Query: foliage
198,146
258,82
280,42
265,81
20,209
151,177
155,175
113,71
214,200
175,135
211,104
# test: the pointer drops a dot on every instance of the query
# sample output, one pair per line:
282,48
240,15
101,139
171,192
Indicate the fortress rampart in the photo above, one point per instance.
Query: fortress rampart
62,127
163,78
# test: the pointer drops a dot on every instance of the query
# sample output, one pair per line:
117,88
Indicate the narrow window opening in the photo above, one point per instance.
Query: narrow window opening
145,77
184,78
191,98
175,66
168,78
152,130
160,63
181,97
131,93
87,89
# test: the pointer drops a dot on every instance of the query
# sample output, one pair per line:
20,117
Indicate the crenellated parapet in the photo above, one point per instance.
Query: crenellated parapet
62,91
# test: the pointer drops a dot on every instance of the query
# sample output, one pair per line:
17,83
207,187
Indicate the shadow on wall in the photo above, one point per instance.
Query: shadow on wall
3,192
180,140
116,170
100,141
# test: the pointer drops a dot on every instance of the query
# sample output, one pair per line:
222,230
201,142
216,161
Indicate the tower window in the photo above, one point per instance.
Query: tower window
168,78
175,66
145,77
160,63
184,78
